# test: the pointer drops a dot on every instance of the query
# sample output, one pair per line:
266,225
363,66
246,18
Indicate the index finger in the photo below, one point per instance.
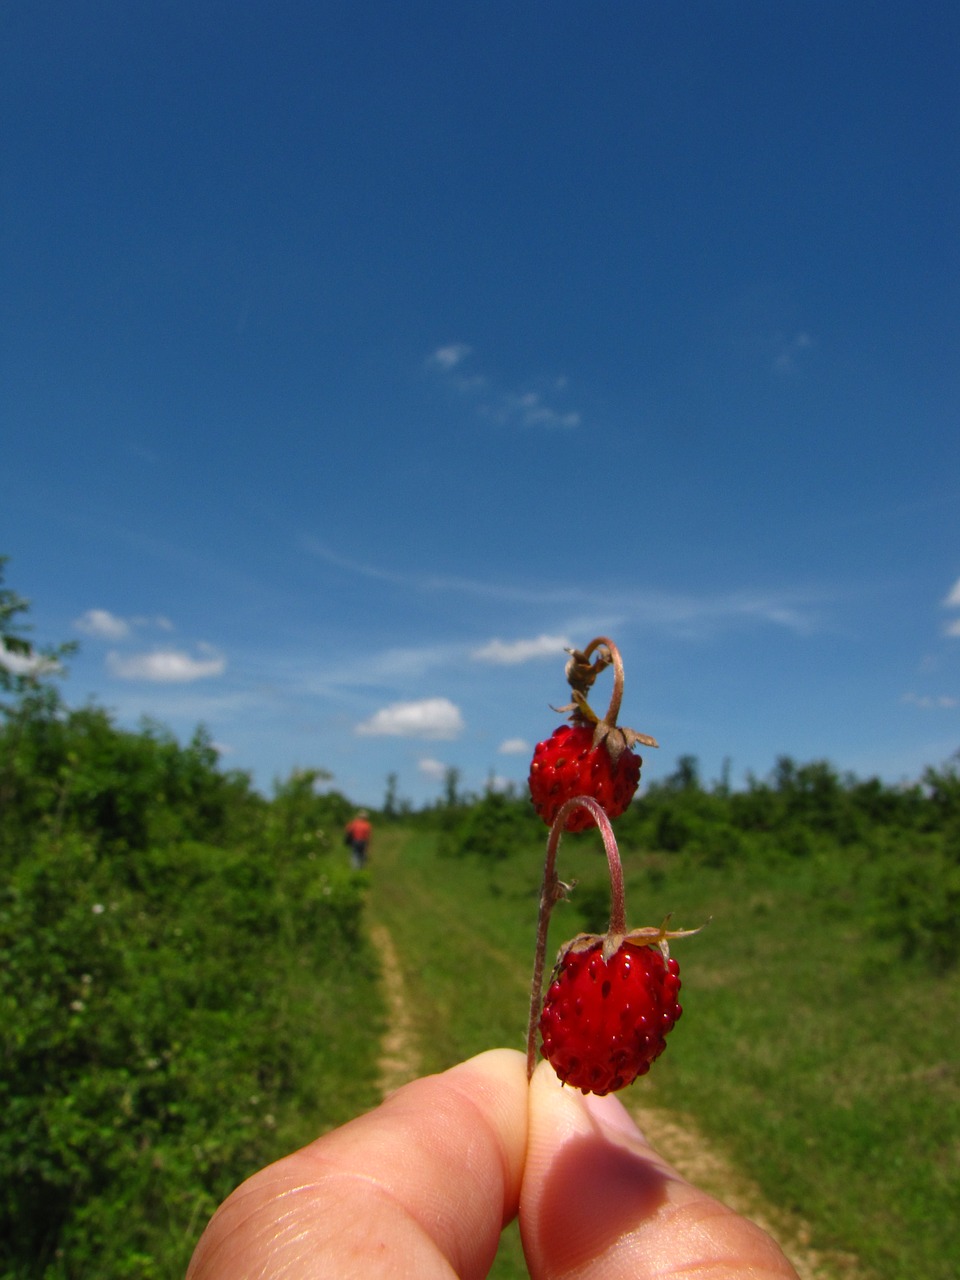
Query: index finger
420,1187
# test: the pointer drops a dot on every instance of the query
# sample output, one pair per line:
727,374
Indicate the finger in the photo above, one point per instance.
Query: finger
421,1187
599,1204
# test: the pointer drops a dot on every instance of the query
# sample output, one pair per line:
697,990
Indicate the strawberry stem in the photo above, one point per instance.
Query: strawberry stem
553,890
617,696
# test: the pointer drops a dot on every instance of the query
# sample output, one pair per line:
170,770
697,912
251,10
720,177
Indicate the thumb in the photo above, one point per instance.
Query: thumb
597,1202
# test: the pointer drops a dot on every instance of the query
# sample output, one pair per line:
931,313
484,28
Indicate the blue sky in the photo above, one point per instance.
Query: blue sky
356,358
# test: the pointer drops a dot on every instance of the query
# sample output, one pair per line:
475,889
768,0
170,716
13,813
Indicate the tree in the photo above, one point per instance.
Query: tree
451,783
390,798
686,776
25,673
23,667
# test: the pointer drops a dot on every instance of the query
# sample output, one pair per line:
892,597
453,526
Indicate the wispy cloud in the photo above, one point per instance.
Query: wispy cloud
686,614
436,718
511,652
791,352
530,407
167,666
514,747
694,616
435,770
952,629
429,582
448,357
952,598
927,702
530,410
102,624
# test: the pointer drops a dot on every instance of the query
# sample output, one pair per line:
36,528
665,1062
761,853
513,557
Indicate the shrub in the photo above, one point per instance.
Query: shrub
920,905
153,1007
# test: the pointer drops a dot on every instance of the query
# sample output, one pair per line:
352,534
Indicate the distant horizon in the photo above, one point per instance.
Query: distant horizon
511,788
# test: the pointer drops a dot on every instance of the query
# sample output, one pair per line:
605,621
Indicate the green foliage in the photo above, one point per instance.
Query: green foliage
909,838
490,827
303,820
159,1021
920,905
182,970
24,669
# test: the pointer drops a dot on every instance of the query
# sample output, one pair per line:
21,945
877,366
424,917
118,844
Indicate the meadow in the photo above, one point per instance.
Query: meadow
188,986
815,1055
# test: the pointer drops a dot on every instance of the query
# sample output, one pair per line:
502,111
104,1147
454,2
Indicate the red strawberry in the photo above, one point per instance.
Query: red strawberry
604,1021
567,764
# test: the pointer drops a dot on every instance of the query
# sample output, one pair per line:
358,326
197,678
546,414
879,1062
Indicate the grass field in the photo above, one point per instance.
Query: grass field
820,1063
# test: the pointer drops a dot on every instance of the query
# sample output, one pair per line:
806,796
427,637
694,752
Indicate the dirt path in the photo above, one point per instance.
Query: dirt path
675,1137
399,1059
679,1141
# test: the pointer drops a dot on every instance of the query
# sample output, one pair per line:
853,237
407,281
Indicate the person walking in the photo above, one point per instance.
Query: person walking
357,836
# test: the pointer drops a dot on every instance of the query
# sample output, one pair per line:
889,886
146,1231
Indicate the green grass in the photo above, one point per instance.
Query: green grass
463,929
825,1067
838,1088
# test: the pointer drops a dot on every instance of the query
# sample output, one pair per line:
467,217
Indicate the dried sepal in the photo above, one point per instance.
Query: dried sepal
581,672
659,936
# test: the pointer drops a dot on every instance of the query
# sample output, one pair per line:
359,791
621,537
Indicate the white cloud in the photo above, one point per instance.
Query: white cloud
953,628
435,770
528,408
450,356
436,718
508,653
532,412
27,664
166,666
952,600
514,747
942,702
103,624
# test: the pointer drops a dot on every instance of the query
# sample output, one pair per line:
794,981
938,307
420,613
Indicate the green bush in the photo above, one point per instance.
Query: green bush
151,1038
493,827
182,963
920,906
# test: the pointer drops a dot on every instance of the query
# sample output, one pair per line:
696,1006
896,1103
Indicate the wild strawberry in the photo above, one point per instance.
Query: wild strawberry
604,1020
568,764
589,757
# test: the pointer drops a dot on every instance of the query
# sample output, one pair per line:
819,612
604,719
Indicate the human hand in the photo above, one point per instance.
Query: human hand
422,1186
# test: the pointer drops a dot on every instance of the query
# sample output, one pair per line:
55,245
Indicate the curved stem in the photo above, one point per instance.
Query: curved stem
617,696
553,890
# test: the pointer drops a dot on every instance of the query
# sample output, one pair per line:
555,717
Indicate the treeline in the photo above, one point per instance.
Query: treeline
896,847
179,959
797,805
